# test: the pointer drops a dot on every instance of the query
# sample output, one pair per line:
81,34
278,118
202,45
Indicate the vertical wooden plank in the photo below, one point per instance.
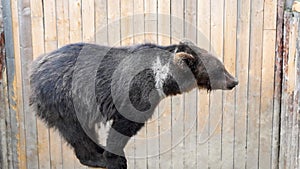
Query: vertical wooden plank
278,85
140,140
177,33
127,37
138,21
190,105
267,92
127,22
16,95
152,140
38,43
75,21
10,115
291,92
254,85
114,29
101,22
88,19
177,20
242,54
50,45
150,21
203,41
215,114
37,28
163,22
230,32
63,23
26,57
297,100
284,101
4,156
270,11
266,102
165,136
4,127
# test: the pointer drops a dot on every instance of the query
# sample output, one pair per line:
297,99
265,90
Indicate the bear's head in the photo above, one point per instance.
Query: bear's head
209,72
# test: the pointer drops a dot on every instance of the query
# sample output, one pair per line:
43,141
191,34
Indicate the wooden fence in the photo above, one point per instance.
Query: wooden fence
254,126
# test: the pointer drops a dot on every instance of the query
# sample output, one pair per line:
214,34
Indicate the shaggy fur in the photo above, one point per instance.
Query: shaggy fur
80,85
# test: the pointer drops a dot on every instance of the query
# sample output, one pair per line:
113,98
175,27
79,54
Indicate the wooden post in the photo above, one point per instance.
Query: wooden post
3,99
289,128
8,92
277,85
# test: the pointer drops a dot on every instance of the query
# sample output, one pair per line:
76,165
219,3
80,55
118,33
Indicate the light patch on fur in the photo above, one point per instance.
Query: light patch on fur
161,74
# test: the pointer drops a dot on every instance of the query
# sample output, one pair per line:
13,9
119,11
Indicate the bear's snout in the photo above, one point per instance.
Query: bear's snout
231,82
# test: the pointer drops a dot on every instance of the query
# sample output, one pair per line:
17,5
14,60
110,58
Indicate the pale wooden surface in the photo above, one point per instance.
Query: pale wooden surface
216,105
243,41
190,99
17,113
254,85
203,40
229,98
232,129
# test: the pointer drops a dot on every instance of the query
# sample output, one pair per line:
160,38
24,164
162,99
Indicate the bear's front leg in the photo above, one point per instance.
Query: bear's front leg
119,134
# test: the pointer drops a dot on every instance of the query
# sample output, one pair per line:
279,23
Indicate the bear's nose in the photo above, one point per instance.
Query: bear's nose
232,83
236,81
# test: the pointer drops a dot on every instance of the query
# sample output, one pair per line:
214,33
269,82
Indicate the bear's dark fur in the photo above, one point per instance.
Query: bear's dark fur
79,85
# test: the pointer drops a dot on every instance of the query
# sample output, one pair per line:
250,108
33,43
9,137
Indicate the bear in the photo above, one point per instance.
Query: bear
80,85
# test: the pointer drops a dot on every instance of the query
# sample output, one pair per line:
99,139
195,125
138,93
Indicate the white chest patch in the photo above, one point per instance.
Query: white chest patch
160,73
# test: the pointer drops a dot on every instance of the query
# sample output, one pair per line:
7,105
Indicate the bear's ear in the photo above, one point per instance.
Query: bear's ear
183,55
181,58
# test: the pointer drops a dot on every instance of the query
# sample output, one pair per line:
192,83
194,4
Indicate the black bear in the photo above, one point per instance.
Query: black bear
81,85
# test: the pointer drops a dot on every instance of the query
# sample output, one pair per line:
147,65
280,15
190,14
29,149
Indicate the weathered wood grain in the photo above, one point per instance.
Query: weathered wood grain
229,97
254,85
216,105
277,85
203,41
240,131
242,54
191,99
16,94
